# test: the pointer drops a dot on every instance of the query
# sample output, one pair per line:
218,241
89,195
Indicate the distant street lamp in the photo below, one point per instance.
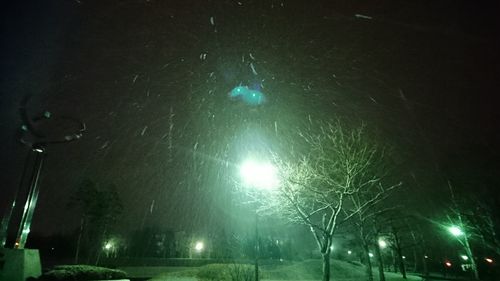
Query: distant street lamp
109,249
198,247
108,246
464,241
260,176
382,244
455,231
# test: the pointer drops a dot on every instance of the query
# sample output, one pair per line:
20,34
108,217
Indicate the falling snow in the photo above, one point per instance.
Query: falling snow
167,127
253,69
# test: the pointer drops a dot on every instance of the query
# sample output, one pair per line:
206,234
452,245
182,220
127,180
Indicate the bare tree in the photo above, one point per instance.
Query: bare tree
478,215
459,218
317,183
100,209
486,226
366,204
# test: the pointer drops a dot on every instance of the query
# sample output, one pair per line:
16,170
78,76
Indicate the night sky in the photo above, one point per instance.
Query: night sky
150,79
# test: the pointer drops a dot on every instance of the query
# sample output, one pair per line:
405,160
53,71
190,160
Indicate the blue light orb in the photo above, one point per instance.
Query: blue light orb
247,95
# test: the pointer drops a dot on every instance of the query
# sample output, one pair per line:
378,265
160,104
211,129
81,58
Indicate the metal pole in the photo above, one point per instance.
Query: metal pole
257,248
380,262
37,141
31,200
8,216
465,243
471,257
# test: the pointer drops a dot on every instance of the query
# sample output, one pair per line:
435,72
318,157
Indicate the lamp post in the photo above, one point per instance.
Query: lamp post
379,246
197,249
260,176
108,248
462,238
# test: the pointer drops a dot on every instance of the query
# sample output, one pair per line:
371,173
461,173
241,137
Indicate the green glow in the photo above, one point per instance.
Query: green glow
382,244
199,246
259,175
464,257
247,95
108,245
455,230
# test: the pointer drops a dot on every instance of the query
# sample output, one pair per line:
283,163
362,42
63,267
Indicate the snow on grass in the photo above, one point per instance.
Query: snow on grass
308,270
81,272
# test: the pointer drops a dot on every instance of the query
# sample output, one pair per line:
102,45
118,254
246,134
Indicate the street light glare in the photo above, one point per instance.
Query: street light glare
382,243
108,245
455,230
259,175
199,246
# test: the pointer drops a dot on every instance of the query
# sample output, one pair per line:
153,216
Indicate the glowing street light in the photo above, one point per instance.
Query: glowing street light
464,257
488,260
108,246
261,176
464,241
349,252
199,246
455,231
382,244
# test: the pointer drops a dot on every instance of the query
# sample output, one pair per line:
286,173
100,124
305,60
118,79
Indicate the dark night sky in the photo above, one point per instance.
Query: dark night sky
424,73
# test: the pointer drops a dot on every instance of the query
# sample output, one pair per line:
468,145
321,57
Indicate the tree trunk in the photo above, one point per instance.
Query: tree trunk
399,253
402,267
78,242
424,263
471,258
101,240
326,265
368,265
416,260
394,261
381,274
